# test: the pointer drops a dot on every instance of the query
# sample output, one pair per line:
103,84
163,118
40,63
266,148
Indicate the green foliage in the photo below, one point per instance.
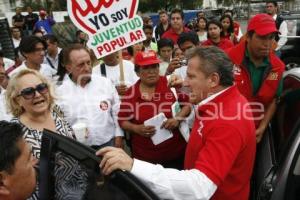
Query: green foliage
35,5
155,5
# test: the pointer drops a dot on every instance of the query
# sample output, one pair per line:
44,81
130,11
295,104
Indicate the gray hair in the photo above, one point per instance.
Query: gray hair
214,60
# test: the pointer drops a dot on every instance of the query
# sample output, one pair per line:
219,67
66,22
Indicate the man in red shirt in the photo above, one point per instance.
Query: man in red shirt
177,25
221,149
258,71
214,36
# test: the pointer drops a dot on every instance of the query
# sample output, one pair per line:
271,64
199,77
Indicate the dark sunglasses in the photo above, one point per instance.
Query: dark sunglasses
29,93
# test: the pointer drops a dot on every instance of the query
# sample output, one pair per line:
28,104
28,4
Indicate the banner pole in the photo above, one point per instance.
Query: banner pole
122,79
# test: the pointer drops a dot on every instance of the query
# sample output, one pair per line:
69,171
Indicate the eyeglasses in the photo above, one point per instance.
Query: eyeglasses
29,93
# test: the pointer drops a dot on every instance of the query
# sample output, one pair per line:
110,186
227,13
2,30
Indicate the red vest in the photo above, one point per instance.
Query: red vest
269,86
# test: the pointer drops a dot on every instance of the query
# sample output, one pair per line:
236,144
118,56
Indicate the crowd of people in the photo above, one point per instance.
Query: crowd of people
224,84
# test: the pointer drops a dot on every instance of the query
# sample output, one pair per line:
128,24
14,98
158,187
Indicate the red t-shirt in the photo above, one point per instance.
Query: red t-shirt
170,34
223,44
137,110
222,145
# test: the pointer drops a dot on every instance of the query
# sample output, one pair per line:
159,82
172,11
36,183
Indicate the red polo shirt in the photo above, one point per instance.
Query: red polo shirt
171,34
137,110
222,144
223,44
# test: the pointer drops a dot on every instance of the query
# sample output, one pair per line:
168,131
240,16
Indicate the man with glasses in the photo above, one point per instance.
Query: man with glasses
33,50
258,71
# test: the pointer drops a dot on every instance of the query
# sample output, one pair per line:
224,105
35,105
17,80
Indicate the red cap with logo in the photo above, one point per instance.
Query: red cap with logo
144,58
262,24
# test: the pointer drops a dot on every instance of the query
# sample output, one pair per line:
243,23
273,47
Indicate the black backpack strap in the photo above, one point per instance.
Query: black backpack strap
278,22
103,70
50,63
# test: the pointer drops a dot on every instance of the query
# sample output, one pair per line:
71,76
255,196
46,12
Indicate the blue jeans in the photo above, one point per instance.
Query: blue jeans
110,143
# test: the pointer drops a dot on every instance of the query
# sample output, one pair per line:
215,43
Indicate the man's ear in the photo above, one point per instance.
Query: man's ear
68,68
214,80
4,191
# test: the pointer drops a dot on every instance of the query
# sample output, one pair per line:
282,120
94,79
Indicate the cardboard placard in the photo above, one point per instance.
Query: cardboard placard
112,25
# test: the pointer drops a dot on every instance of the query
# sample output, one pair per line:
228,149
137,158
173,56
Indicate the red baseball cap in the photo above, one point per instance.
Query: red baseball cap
262,24
144,58
42,12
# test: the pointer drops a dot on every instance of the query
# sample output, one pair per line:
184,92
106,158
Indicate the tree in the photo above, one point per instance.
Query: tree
35,5
155,5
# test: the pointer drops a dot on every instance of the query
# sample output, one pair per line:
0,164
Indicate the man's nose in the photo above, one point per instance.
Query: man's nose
87,67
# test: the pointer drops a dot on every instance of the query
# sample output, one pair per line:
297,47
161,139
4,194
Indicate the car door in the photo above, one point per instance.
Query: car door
278,154
119,185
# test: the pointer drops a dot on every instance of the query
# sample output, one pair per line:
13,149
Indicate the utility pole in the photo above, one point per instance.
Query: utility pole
249,8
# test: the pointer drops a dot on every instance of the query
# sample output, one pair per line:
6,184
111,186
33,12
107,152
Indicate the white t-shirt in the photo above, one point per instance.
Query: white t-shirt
54,61
16,42
163,66
97,105
8,63
45,70
203,37
113,73
3,111
283,30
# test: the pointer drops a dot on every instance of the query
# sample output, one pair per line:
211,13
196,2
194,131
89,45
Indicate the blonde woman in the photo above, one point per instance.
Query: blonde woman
30,99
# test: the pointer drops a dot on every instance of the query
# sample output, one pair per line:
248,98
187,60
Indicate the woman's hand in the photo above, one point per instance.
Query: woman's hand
170,124
175,81
146,131
174,64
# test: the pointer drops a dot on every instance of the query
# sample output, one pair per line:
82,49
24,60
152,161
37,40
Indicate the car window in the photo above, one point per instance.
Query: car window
70,170
292,27
287,113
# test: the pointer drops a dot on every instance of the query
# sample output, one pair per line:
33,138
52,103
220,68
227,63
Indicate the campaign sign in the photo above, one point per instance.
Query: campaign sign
112,25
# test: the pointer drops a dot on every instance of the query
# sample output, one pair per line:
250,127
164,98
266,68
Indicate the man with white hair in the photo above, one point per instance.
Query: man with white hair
89,100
